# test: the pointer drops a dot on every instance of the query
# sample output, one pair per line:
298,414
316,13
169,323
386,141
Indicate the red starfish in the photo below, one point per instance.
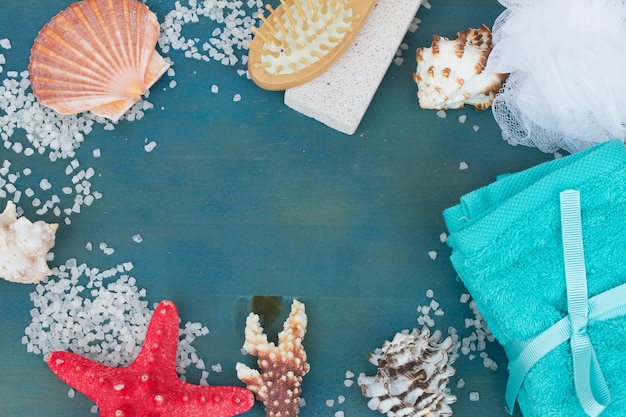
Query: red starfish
149,387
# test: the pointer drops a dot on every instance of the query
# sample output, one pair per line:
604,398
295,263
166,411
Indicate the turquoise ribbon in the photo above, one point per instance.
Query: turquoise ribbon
591,387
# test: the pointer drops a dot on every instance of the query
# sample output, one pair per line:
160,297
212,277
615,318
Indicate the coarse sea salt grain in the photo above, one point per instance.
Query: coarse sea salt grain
399,60
106,249
149,147
44,184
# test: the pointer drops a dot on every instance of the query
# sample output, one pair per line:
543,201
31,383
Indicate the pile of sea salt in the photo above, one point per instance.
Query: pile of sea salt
227,43
100,314
44,129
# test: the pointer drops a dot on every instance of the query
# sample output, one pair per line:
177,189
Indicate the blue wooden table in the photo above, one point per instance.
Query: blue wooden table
250,198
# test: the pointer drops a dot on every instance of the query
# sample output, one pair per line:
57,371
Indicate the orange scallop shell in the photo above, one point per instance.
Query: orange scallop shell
98,56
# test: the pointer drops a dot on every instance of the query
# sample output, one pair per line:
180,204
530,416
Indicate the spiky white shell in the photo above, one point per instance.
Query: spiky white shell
451,73
412,376
24,247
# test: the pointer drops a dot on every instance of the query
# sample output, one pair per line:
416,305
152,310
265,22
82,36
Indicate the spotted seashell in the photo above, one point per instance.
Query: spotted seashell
412,377
451,73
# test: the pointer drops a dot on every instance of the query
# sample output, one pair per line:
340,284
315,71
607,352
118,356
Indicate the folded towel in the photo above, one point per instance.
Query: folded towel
507,249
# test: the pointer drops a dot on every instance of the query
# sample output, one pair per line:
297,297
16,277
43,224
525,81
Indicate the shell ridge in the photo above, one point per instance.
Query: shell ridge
66,88
125,37
105,30
136,51
128,52
62,32
50,57
147,19
138,59
120,72
94,42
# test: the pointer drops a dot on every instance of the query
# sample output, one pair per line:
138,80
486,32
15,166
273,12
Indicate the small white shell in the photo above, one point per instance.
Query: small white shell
451,73
24,247
412,376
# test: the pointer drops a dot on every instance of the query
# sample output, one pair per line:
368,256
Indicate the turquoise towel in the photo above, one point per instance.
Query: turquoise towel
507,249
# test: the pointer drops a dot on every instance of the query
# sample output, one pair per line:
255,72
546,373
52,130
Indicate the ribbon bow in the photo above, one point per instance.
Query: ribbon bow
591,387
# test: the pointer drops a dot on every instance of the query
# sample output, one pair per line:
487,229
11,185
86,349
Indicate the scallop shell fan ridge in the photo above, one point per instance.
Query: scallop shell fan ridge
98,56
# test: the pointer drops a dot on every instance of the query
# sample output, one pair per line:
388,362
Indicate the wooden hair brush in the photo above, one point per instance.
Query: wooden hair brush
301,38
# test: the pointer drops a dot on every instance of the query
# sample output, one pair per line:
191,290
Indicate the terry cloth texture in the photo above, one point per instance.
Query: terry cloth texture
507,249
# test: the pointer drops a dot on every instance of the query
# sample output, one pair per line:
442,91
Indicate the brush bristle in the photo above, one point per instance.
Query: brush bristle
302,32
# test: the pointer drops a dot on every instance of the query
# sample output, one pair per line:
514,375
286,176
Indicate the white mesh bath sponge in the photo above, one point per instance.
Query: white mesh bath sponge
566,60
